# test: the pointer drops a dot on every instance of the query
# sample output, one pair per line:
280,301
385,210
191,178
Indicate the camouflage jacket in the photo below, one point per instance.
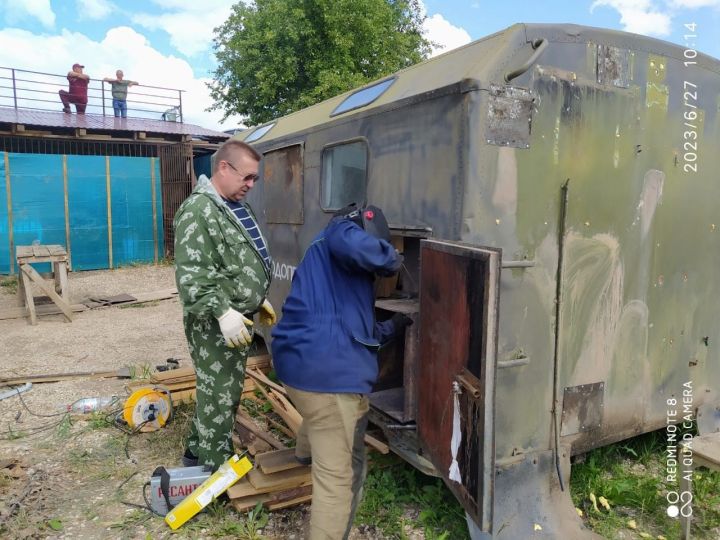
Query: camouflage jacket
217,265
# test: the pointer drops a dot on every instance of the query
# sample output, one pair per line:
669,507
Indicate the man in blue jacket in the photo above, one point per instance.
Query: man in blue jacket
325,352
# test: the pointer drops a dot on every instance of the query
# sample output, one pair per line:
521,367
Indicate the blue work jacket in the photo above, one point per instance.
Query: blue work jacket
327,338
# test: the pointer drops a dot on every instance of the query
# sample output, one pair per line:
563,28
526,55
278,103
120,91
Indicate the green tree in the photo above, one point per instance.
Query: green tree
278,56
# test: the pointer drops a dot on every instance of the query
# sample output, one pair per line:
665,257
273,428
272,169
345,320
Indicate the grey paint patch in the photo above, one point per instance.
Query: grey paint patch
509,116
612,66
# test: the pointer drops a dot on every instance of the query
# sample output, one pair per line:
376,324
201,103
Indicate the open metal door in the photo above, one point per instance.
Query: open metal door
459,292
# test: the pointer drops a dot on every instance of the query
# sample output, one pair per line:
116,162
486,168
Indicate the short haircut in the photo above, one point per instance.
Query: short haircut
230,146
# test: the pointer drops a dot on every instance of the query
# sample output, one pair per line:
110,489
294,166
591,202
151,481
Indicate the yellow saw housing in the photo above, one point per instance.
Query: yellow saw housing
148,408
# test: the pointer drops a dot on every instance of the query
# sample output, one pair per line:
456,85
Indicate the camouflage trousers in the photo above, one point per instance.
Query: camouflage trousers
220,373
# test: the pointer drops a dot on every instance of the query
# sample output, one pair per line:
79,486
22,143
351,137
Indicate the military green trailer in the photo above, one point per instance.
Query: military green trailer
554,189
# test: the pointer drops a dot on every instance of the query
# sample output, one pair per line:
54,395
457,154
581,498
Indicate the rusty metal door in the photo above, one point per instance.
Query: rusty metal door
178,180
459,295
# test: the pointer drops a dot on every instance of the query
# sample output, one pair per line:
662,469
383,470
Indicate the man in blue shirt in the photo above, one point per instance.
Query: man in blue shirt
325,352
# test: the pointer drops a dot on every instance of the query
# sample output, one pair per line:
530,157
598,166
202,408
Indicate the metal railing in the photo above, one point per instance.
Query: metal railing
38,91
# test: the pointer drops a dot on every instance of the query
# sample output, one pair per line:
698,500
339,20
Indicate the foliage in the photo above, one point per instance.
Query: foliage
393,486
630,475
278,56
10,284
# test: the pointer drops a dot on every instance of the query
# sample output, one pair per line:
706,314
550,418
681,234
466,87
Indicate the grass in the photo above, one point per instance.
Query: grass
393,487
9,284
222,521
631,476
140,371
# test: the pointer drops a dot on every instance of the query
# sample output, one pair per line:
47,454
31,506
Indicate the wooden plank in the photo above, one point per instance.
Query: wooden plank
287,412
257,446
275,501
37,278
706,450
280,480
155,295
173,380
29,301
261,377
174,387
378,445
282,407
280,426
243,425
289,503
46,258
56,249
183,371
277,461
24,251
183,396
55,377
259,360
47,309
243,488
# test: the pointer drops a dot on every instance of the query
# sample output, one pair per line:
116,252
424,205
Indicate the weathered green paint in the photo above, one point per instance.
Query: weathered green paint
642,234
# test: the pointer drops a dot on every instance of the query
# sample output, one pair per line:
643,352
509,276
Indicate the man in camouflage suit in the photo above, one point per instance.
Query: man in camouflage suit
222,271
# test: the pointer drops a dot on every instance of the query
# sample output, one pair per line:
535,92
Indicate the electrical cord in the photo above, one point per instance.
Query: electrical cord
37,414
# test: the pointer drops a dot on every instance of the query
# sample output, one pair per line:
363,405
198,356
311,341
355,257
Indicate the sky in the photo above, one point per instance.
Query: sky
168,43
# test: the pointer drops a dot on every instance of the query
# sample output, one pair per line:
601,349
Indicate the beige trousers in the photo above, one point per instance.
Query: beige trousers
333,432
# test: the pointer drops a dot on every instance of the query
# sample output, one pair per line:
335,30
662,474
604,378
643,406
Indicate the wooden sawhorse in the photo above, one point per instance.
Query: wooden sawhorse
58,257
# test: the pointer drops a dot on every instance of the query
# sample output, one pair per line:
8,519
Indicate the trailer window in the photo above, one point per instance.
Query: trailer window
362,97
283,185
259,132
344,177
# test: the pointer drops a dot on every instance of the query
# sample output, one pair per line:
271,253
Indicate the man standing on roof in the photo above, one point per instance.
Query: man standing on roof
119,89
77,92
222,271
325,352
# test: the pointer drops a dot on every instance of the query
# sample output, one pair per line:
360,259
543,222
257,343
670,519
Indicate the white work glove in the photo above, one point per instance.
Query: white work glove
234,327
267,314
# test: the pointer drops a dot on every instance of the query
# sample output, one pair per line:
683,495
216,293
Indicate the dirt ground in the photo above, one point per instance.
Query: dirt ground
73,478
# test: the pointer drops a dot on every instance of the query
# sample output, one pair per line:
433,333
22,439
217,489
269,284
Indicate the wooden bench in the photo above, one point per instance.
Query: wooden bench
58,257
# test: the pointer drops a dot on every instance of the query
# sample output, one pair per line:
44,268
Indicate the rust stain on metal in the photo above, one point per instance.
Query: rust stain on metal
283,178
583,408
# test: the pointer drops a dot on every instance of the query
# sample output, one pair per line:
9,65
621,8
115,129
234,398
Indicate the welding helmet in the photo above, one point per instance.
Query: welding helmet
370,218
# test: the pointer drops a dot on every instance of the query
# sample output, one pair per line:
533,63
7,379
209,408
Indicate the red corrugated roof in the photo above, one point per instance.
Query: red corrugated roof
98,122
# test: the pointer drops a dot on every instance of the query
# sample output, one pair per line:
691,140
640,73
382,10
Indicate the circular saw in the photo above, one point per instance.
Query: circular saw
148,408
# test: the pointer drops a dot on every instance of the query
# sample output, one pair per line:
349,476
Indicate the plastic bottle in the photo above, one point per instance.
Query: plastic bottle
90,404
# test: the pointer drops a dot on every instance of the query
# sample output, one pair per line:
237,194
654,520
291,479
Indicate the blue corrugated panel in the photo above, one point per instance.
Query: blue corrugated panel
87,198
132,212
38,207
4,222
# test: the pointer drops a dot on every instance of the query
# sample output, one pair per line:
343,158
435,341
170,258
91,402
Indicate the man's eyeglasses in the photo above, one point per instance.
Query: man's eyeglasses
247,178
